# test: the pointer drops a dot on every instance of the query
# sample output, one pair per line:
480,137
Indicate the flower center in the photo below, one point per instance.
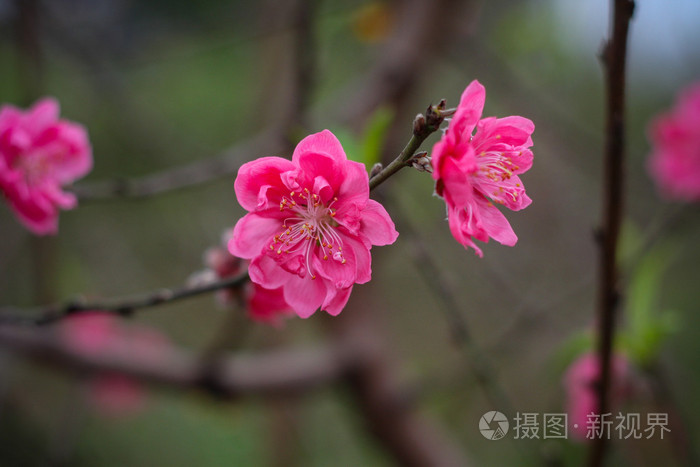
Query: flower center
33,167
309,230
499,167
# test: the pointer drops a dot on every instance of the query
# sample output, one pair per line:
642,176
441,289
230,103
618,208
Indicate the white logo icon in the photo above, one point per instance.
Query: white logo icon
493,425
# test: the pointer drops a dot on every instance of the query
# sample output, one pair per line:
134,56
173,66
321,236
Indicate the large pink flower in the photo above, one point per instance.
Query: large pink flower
582,398
311,224
675,158
473,173
38,154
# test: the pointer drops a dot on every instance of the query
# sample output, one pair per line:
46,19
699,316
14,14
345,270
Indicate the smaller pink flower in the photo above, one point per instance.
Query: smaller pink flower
263,305
674,163
476,172
38,155
111,393
310,225
581,395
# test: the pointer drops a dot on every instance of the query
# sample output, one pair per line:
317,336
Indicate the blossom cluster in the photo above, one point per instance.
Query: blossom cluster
93,334
675,158
580,382
310,224
38,155
474,172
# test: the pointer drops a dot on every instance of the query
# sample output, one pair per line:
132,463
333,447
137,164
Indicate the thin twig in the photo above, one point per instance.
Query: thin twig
613,58
423,127
269,142
438,284
120,306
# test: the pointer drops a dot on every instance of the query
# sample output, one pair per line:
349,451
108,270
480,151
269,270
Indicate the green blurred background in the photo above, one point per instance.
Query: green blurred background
162,83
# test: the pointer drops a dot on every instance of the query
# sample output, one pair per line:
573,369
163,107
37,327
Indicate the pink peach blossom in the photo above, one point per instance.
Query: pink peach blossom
674,163
263,305
310,225
38,155
581,395
97,333
475,172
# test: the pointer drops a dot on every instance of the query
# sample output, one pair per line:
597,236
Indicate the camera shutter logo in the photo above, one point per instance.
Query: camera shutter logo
493,425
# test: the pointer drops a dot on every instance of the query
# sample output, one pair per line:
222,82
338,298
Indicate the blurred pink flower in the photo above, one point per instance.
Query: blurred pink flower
263,305
98,333
38,154
473,173
581,395
116,395
674,163
310,225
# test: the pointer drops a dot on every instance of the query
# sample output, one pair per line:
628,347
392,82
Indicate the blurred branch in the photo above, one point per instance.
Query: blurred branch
387,404
442,290
31,76
226,164
421,29
120,306
614,59
270,374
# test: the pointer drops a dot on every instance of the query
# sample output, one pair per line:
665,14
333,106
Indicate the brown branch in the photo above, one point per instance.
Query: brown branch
613,58
422,28
423,126
120,306
386,403
277,373
443,290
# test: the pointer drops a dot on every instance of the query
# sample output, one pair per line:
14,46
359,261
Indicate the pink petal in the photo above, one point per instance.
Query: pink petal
510,192
495,223
456,186
37,214
468,112
461,229
324,143
264,271
362,258
305,296
336,301
267,305
355,186
258,183
44,113
513,130
253,233
339,274
377,226
66,149
313,165
322,155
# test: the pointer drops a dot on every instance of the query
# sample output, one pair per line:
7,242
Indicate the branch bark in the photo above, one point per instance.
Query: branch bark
614,59
120,306
276,373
